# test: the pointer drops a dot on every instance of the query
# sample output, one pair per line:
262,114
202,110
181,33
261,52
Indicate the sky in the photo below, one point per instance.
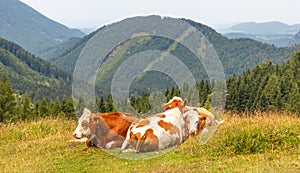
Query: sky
214,13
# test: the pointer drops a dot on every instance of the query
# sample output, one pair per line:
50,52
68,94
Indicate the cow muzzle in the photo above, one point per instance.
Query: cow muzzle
193,132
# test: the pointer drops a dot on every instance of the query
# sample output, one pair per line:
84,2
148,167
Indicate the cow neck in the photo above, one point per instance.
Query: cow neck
101,130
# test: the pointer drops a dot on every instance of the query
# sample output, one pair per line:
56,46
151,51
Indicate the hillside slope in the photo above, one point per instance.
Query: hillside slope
236,55
31,74
30,29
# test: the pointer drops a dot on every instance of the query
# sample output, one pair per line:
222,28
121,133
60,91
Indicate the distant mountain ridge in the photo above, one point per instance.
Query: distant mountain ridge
276,33
297,38
265,28
30,29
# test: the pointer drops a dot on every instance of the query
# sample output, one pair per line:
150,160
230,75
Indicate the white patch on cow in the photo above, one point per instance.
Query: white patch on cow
165,139
79,140
80,132
109,144
192,118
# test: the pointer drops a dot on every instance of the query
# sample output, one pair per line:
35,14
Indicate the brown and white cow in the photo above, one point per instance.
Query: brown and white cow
159,131
104,130
194,122
207,123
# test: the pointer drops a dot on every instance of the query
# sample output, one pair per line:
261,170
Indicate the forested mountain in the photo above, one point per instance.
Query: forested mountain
30,29
236,55
30,74
267,87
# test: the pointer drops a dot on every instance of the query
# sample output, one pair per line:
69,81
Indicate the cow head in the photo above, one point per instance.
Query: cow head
175,102
194,122
83,129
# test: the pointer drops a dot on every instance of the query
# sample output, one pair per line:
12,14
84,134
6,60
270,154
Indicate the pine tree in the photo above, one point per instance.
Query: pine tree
43,108
100,104
293,101
55,107
26,108
207,104
109,105
271,94
7,99
231,94
69,109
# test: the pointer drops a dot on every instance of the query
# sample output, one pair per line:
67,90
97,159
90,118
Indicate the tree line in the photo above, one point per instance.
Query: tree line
267,87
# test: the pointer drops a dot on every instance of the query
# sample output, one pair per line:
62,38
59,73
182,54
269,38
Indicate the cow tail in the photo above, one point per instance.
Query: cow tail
140,144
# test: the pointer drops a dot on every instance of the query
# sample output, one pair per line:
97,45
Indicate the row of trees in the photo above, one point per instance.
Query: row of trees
14,107
267,87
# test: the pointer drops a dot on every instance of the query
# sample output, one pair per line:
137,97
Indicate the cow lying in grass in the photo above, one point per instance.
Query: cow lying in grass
163,130
103,130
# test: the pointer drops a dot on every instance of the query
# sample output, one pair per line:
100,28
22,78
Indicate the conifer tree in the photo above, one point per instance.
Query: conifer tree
7,99
100,104
271,94
293,101
55,107
109,105
26,110
43,108
69,109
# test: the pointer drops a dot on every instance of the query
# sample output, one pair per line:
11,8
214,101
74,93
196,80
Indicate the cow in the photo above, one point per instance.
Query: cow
194,122
103,130
159,131
207,123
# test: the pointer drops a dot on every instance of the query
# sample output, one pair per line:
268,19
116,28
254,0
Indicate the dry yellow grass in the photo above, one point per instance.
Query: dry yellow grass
42,146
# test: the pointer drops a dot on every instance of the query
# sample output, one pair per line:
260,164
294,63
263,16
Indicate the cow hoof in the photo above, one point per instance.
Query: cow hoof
129,150
89,143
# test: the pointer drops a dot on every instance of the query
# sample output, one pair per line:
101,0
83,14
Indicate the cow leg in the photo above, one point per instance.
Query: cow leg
110,145
79,140
125,144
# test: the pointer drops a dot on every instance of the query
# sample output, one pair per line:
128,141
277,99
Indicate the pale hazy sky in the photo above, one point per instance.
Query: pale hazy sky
214,13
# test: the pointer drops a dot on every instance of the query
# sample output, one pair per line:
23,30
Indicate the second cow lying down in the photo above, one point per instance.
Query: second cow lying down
163,130
103,130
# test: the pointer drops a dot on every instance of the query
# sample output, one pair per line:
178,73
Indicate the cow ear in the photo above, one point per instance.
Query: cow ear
87,111
185,102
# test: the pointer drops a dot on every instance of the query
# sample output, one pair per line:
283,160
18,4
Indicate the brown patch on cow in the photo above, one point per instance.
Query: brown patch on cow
161,115
85,124
173,104
109,127
168,126
186,109
142,123
135,122
148,142
134,138
202,123
88,143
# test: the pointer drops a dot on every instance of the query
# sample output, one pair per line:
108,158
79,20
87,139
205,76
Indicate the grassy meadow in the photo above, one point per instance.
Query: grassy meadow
256,143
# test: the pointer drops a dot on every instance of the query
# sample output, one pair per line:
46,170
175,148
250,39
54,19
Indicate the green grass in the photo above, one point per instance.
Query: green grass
268,143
